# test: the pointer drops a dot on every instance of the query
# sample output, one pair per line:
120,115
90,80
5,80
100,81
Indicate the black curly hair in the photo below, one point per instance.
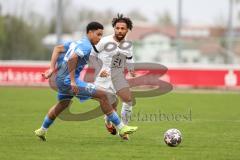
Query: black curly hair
121,18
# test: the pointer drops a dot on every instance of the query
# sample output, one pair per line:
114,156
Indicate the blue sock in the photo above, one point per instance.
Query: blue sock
114,118
47,122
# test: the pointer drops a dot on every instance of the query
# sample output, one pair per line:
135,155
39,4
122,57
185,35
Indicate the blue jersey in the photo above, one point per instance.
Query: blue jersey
61,56
83,49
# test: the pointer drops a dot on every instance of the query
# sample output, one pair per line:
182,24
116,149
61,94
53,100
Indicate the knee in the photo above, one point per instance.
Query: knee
65,103
127,99
103,96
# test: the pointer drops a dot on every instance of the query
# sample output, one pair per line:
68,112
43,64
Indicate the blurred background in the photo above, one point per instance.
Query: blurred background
197,40
180,34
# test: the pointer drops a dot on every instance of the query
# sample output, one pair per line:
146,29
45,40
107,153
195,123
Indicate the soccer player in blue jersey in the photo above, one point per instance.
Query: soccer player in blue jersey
69,85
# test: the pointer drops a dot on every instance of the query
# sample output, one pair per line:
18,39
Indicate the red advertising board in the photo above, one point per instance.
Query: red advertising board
29,74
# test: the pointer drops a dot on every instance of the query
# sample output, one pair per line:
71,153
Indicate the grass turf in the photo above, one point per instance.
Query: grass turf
209,123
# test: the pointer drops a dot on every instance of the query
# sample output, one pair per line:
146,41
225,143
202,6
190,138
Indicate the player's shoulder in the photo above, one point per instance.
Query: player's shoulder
66,43
83,42
82,45
107,38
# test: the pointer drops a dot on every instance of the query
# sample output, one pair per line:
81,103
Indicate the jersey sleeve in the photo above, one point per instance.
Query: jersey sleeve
82,50
67,45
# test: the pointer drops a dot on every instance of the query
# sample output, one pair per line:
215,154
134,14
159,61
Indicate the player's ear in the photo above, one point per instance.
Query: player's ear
90,33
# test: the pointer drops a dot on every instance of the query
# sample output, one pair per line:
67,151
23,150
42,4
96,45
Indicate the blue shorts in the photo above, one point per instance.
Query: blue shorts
86,90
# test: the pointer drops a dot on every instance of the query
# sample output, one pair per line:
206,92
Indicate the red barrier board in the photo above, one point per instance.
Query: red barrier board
30,75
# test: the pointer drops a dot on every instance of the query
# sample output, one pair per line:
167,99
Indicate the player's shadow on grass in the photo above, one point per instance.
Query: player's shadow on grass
67,115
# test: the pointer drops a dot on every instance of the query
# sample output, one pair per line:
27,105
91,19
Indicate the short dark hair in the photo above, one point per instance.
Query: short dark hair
92,26
121,18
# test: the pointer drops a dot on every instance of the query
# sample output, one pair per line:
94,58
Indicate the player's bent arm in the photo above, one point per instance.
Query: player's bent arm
130,62
72,63
130,67
55,54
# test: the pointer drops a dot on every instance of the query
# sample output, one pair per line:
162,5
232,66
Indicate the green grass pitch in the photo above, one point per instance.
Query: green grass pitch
209,122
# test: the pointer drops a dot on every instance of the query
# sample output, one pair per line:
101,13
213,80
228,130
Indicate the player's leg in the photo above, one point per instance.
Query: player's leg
107,108
108,124
126,111
50,117
106,85
114,106
126,96
90,90
111,114
58,108
122,89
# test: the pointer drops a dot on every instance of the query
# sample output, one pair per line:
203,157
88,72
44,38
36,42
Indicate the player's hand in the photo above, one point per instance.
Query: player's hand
132,73
48,73
74,88
104,73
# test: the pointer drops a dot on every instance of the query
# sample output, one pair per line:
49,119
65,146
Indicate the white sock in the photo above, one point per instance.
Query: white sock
126,112
107,121
120,126
45,129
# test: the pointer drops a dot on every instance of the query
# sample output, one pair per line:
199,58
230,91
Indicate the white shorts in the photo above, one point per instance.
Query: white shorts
112,86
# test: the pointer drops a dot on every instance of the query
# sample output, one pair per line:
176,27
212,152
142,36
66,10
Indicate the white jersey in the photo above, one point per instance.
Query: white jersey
113,57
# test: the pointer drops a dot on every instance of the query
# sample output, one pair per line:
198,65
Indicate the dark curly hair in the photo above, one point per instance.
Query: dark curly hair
121,18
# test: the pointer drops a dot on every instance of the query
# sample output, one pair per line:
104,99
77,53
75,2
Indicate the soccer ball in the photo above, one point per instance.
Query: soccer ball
172,137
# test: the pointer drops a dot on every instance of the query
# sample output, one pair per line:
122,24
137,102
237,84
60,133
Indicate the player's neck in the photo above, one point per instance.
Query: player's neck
114,37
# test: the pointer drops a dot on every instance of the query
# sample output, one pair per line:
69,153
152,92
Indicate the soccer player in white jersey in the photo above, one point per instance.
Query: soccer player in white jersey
115,53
